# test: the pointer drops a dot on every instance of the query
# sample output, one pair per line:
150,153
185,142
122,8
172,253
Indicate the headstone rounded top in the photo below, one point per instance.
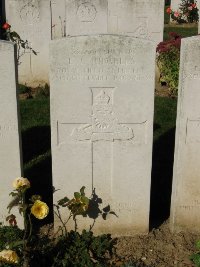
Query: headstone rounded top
86,12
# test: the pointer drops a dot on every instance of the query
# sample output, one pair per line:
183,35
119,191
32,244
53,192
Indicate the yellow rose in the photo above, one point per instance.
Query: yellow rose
20,182
40,209
9,256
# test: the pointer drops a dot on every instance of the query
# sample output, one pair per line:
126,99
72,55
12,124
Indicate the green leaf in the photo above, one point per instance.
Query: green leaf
198,244
63,201
85,200
82,191
196,259
77,195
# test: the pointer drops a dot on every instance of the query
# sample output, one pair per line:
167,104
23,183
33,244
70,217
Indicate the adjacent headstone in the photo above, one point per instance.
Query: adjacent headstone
10,158
144,19
185,208
102,95
58,18
32,21
86,17
138,18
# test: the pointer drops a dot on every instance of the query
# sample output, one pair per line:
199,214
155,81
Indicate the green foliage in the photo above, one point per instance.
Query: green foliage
78,204
80,250
23,89
9,235
180,30
168,61
42,91
196,257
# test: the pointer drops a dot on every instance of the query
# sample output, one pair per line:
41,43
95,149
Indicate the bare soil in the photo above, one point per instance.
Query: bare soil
160,248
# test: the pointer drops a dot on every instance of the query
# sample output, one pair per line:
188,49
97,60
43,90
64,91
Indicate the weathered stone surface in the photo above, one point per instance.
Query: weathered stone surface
58,18
136,18
185,209
86,17
102,94
32,21
10,159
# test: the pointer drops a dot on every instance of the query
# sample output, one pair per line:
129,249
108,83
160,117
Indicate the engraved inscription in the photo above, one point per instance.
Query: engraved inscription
142,29
105,125
86,12
193,131
191,71
104,65
6,129
29,12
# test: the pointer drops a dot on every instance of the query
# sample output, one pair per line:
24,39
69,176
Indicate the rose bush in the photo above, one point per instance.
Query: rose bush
187,13
168,61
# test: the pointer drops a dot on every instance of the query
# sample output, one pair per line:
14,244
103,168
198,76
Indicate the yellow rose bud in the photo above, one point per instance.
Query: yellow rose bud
20,182
9,256
40,209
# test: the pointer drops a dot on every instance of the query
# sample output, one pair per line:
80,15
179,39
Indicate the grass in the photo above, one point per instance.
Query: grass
36,148
184,32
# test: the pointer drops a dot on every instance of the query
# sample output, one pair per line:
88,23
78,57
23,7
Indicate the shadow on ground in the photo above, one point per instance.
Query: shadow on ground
40,176
35,141
161,181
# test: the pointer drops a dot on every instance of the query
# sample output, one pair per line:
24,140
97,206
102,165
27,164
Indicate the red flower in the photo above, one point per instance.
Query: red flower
6,26
176,14
168,10
194,5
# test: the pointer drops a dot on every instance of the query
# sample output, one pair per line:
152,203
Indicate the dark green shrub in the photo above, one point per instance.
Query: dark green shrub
42,91
81,250
23,89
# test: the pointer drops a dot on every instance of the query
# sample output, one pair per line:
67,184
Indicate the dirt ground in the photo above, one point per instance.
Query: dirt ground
160,248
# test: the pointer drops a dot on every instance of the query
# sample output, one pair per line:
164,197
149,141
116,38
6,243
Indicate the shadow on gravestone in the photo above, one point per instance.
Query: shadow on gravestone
2,17
35,141
161,181
94,208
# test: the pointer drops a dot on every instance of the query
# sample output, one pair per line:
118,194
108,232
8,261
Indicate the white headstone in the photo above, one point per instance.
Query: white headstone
86,17
102,95
185,209
58,18
10,159
32,21
136,18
